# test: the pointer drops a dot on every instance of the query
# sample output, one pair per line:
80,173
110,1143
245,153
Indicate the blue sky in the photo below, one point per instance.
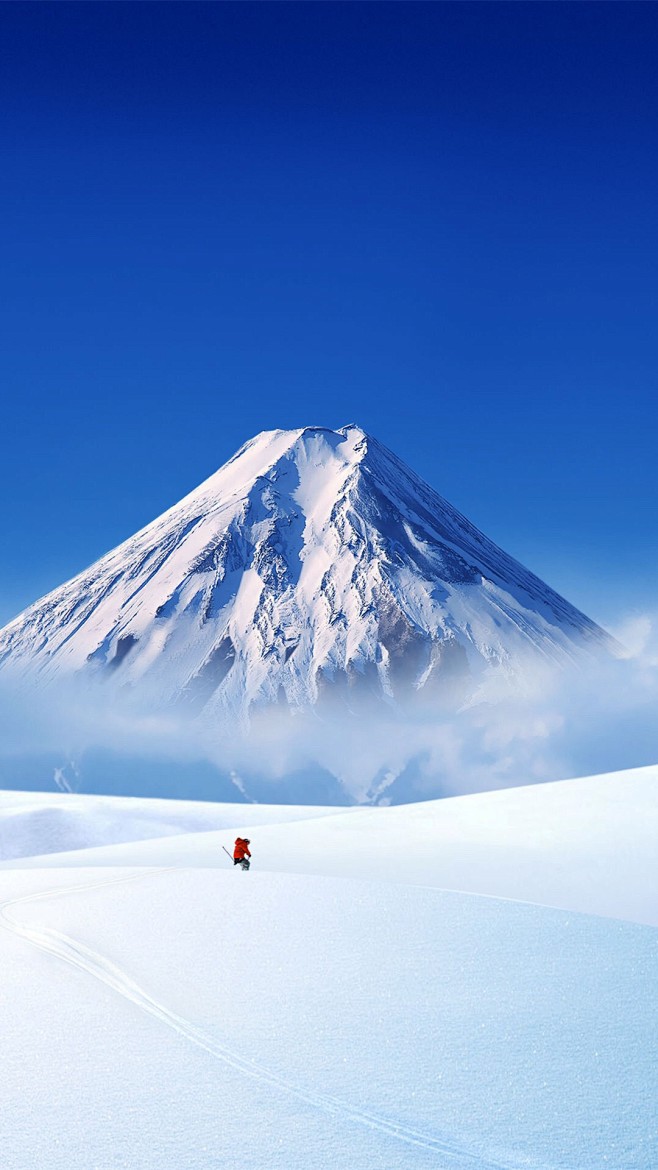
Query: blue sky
436,220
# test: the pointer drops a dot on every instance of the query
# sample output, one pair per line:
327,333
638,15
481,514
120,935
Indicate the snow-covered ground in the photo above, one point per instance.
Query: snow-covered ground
334,1007
588,845
34,823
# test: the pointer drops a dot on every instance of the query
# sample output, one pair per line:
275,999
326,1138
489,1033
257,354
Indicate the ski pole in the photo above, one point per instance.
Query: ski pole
227,852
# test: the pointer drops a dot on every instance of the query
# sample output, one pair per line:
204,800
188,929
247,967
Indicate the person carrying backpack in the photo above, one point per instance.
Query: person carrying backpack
241,853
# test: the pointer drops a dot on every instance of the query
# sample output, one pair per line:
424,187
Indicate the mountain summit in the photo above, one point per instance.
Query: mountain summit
312,566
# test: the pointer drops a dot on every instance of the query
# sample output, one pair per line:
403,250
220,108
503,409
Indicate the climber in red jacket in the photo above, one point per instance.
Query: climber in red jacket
241,853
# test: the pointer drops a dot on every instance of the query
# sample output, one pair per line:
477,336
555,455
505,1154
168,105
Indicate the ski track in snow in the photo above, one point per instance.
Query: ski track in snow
77,954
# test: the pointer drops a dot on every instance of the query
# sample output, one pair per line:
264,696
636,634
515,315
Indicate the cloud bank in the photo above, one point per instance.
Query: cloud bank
547,724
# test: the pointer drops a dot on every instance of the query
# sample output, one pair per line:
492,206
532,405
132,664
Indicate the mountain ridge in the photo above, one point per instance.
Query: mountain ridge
313,565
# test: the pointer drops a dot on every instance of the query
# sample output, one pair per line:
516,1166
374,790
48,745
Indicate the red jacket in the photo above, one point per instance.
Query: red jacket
241,849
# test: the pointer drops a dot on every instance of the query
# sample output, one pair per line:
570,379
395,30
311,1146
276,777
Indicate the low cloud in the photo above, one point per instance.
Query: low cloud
547,724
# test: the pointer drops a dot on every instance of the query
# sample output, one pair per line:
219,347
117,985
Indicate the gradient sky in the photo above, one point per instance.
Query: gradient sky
439,221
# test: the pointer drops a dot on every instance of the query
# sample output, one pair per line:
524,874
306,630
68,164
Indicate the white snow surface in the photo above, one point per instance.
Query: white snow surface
587,845
54,822
313,557
330,1008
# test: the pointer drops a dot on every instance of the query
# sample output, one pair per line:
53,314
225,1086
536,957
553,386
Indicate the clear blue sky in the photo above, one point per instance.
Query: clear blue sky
437,220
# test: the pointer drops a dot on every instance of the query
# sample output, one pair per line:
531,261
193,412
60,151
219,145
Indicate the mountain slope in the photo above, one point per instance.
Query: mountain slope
313,564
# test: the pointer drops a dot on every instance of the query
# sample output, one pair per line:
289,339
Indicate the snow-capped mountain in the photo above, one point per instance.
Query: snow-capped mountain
313,564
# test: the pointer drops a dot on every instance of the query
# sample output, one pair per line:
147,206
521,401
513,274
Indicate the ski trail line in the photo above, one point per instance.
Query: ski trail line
77,954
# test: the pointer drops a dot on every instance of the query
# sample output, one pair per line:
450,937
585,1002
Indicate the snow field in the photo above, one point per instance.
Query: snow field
587,845
334,1007
213,1018
55,822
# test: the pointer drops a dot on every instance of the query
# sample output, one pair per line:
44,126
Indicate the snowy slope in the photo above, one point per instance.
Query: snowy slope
47,822
313,564
335,1006
207,1019
585,845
